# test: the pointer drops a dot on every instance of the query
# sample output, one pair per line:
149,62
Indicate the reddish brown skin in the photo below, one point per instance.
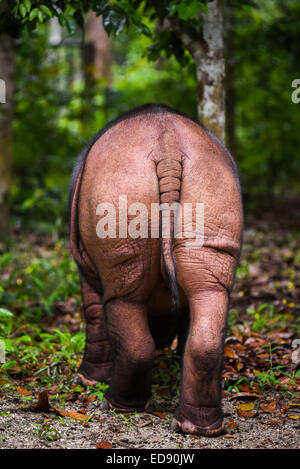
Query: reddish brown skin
158,157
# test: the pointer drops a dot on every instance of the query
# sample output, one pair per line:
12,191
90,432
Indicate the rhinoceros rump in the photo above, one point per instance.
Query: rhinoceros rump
139,293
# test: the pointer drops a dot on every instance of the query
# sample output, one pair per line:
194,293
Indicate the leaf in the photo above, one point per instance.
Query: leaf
231,424
33,14
229,352
46,10
188,11
143,424
246,410
246,414
23,10
295,417
246,407
89,399
99,419
23,392
158,414
104,445
27,4
244,395
72,414
269,408
5,314
245,387
40,16
43,401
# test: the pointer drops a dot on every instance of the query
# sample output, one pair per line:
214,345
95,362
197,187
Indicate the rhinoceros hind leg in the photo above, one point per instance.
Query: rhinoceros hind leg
134,354
97,359
207,283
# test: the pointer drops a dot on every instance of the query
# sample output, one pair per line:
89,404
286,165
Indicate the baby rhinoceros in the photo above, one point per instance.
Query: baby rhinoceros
156,229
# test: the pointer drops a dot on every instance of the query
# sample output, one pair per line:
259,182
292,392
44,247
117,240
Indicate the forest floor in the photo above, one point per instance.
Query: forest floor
42,328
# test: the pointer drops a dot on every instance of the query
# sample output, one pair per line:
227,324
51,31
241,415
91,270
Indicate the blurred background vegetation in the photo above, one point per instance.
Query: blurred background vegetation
63,95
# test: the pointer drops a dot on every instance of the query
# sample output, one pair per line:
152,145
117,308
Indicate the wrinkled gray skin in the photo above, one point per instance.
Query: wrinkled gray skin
157,155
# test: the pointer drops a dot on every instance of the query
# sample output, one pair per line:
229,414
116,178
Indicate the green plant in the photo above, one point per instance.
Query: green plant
229,387
46,432
98,390
270,378
262,315
129,418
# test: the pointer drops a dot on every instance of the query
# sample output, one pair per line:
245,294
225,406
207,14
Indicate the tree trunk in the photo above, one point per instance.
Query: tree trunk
230,80
97,37
96,58
207,51
210,69
7,66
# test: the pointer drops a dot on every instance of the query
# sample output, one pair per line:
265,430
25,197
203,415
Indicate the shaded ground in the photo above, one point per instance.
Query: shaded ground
45,338
23,429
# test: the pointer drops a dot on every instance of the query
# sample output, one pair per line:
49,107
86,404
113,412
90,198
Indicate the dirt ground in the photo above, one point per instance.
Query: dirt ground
21,428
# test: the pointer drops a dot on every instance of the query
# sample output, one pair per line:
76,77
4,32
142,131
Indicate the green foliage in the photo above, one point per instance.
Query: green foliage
267,54
34,285
46,431
53,120
98,390
141,16
262,314
47,131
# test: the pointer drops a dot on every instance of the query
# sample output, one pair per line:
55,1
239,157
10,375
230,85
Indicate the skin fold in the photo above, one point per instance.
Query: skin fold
139,294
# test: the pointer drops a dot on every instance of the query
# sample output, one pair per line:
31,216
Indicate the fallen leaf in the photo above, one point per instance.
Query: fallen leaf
23,392
269,408
295,417
280,335
231,424
229,352
246,407
244,395
88,400
72,414
99,419
230,436
104,445
158,414
255,342
143,424
43,401
246,414
245,387
246,410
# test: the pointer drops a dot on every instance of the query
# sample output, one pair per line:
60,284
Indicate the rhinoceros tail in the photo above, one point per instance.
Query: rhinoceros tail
169,173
